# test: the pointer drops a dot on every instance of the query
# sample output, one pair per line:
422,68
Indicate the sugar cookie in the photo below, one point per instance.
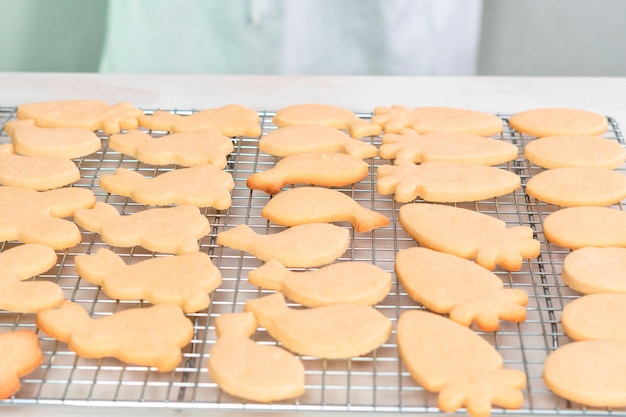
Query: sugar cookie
328,169
578,186
558,121
172,230
202,186
149,336
249,370
454,361
592,270
19,264
469,234
231,120
575,227
66,142
448,284
326,115
313,138
341,282
591,372
575,150
320,205
187,149
36,217
38,173
302,246
20,354
444,182
595,316
334,331
446,146
185,280
436,119
88,114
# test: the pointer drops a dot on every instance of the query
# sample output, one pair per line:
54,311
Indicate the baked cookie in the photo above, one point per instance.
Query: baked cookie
575,227
575,150
187,149
303,246
185,280
558,121
202,186
171,230
595,316
327,169
37,217
591,372
578,186
320,205
444,182
341,282
67,142
592,270
88,114
446,146
454,361
249,370
325,115
22,263
469,234
20,354
334,331
231,120
436,119
149,336
313,138
38,173
448,284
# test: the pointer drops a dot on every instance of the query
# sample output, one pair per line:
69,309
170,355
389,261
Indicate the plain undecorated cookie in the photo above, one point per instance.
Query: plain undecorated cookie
592,270
595,316
558,121
575,150
20,354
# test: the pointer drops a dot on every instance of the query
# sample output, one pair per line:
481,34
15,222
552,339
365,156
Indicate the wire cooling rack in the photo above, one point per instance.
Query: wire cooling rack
375,382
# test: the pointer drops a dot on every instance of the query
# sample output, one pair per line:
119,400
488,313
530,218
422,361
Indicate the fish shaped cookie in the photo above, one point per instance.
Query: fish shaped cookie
185,280
325,115
187,149
250,370
20,354
202,186
444,182
313,138
171,230
328,169
469,234
320,205
231,120
341,282
448,284
303,246
446,146
456,362
149,336
334,331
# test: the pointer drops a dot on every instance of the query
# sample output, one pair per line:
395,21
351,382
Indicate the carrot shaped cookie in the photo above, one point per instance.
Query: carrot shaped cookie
19,264
328,169
150,336
448,284
20,354
185,280
454,361
202,186
303,246
171,230
469,234
341,282
444,182
320,205
335,331
249,370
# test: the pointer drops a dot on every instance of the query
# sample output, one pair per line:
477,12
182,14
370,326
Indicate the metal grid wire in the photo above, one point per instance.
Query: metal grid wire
374,382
